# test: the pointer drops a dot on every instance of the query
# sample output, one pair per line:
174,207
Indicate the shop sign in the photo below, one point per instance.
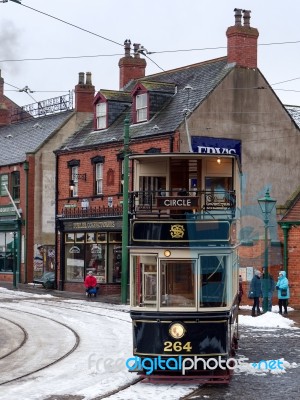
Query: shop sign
7,210
216,146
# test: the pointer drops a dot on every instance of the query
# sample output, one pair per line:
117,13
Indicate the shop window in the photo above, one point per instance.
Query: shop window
7,252
15,184
100,252
74,262
3,183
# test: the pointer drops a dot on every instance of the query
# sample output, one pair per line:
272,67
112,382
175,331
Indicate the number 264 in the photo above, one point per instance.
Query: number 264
177,346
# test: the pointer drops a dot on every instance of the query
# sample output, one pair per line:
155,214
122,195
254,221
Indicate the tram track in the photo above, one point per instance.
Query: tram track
22,342
15,352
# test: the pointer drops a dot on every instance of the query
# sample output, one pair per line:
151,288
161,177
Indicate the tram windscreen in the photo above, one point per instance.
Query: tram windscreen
212,288
177,284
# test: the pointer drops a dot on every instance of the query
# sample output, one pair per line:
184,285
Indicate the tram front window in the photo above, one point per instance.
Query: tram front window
177,284
212,281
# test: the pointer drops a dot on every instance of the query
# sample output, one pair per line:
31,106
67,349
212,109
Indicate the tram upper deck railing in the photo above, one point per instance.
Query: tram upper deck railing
217,204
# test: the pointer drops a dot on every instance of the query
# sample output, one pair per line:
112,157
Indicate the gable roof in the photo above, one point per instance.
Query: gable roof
293,208
20,138
202,77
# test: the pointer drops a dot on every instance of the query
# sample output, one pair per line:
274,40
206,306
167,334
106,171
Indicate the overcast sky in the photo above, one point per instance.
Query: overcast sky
158,25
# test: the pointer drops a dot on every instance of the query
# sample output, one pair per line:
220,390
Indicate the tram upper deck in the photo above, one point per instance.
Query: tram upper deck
185,186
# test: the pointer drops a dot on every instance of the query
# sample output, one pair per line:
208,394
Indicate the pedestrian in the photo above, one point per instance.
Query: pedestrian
256,292
283,291
90,284
241,291
268,287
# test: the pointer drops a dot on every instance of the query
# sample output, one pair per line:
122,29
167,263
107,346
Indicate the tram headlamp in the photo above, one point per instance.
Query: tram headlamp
177,330
167,253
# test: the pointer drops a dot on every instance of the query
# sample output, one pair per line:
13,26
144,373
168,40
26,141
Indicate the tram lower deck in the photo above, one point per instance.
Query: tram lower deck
184,311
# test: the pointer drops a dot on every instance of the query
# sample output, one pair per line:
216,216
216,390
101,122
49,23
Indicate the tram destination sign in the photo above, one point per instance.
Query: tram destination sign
181,233
178,202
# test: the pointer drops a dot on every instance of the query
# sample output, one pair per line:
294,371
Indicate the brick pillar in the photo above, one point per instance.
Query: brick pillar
242,41
131,67
84,93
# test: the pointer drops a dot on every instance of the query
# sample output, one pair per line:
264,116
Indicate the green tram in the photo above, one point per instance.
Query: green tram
184,222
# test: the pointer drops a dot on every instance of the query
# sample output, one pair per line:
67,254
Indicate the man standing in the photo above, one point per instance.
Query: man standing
268,287
256,292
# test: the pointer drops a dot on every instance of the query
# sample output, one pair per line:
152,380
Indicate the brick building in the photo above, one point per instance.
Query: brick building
28,136
212,103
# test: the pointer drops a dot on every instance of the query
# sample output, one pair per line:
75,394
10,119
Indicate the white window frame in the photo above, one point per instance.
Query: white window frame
75,181
141,104
101,114
99,178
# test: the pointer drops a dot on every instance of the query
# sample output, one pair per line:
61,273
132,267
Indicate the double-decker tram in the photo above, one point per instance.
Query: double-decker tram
184,221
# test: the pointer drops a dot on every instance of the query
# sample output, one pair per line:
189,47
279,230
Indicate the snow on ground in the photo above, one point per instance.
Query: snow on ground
97,366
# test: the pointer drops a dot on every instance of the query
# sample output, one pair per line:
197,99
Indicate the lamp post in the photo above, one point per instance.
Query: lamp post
124,276
266,204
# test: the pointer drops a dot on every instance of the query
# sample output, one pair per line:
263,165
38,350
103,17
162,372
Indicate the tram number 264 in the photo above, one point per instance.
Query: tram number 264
177,346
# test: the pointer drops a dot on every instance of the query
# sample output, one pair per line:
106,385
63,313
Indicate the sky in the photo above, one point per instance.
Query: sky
162,27
97,366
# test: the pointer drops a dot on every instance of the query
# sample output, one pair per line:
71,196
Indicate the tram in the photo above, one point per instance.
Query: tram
184,222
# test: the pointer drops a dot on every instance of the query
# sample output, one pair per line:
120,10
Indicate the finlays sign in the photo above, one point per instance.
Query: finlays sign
216,146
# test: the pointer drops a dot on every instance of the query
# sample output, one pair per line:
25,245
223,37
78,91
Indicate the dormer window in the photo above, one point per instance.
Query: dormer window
101,114
141,107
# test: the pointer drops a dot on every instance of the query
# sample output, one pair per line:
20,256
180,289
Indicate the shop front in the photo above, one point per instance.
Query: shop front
91,245
10,234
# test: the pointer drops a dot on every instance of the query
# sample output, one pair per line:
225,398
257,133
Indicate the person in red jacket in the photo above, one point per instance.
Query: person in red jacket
90,283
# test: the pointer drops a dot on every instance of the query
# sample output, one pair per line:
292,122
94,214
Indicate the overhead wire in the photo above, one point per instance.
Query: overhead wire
73,25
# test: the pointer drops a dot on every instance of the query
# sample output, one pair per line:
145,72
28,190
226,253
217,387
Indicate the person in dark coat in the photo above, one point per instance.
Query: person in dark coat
268,287
256,292
283,291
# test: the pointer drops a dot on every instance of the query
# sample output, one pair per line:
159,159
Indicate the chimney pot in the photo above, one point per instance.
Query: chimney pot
127,47
238,16
246,17
136,47
88,78
81,78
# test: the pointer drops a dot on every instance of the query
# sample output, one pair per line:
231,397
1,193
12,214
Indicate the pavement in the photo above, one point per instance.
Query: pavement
39,289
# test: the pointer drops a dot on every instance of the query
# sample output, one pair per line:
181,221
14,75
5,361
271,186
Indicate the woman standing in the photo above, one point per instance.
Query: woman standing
283,291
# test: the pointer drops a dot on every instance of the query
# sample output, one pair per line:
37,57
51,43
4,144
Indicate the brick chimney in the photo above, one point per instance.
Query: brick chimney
131,67
1,87
242,41
84,93
4,115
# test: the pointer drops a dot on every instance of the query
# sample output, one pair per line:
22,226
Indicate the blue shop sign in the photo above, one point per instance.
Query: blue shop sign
216,146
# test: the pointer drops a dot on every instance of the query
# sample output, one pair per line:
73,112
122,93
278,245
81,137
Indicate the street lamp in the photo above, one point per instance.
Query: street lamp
266,205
